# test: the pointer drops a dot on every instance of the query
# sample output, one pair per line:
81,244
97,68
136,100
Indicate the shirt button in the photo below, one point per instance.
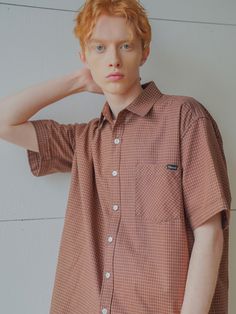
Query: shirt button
115,207
114,173
110,239
108,275
116,141
104,311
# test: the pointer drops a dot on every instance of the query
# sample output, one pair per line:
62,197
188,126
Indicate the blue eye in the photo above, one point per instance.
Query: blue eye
100,50
99,46
127,45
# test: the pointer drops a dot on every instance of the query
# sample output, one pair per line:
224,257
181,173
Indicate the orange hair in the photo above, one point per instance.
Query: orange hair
132,10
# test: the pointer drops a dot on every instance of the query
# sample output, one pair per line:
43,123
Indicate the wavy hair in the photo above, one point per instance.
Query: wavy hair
132,10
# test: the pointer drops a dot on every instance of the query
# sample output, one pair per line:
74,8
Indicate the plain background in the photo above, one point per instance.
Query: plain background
192,53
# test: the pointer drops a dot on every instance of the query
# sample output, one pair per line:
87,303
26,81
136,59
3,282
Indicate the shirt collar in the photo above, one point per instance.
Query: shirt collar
140,105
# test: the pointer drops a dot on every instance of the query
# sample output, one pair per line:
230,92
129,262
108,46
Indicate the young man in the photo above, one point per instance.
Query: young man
146,225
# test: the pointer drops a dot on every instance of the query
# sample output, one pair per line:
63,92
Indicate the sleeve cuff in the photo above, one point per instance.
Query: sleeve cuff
196,221
39,162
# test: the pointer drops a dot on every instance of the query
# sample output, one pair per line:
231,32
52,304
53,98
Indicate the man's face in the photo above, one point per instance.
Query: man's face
109,49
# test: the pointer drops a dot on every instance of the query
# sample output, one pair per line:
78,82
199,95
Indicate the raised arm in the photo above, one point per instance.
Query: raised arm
16,109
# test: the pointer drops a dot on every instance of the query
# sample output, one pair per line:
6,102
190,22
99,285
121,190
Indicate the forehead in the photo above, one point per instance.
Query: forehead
112,28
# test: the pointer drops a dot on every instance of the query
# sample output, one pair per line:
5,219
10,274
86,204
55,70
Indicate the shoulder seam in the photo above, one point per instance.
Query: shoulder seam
204,117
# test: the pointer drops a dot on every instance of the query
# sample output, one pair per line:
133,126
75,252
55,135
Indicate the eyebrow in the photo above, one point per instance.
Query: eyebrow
104,40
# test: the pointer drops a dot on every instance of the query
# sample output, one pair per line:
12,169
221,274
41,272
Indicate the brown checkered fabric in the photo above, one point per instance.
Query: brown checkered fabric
139,187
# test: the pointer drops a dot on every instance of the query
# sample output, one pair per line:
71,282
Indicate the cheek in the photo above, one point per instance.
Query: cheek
96,72
95,64
133,61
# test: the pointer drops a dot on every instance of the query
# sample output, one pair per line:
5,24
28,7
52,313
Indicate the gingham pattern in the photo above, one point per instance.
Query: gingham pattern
139,186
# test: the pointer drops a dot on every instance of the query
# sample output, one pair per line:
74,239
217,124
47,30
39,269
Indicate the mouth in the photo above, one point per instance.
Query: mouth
115,74
115,77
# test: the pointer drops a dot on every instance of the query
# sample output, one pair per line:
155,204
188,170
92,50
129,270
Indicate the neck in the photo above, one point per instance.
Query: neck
118,102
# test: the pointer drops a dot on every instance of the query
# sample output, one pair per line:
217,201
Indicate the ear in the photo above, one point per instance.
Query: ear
83,58
145,55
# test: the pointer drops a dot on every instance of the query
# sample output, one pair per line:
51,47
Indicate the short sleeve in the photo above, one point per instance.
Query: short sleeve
206,189
56,147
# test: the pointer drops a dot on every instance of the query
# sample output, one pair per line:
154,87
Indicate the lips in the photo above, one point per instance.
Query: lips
117,74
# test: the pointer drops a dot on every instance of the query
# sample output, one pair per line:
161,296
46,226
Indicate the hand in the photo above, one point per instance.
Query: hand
90,85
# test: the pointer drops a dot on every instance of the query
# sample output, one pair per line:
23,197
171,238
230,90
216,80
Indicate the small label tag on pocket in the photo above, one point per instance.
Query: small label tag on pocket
171,167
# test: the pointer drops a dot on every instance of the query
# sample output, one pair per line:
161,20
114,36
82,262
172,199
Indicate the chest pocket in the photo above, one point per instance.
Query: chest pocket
158,192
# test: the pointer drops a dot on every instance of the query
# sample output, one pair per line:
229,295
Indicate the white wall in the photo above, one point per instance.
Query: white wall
193,53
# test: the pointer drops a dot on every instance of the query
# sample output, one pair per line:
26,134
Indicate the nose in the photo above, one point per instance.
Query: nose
115,60
114,64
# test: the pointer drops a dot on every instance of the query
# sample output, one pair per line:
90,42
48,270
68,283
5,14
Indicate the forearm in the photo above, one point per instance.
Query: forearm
18,108
202,275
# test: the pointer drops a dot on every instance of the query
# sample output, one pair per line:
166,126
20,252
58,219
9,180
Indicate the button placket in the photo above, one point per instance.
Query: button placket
107,284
